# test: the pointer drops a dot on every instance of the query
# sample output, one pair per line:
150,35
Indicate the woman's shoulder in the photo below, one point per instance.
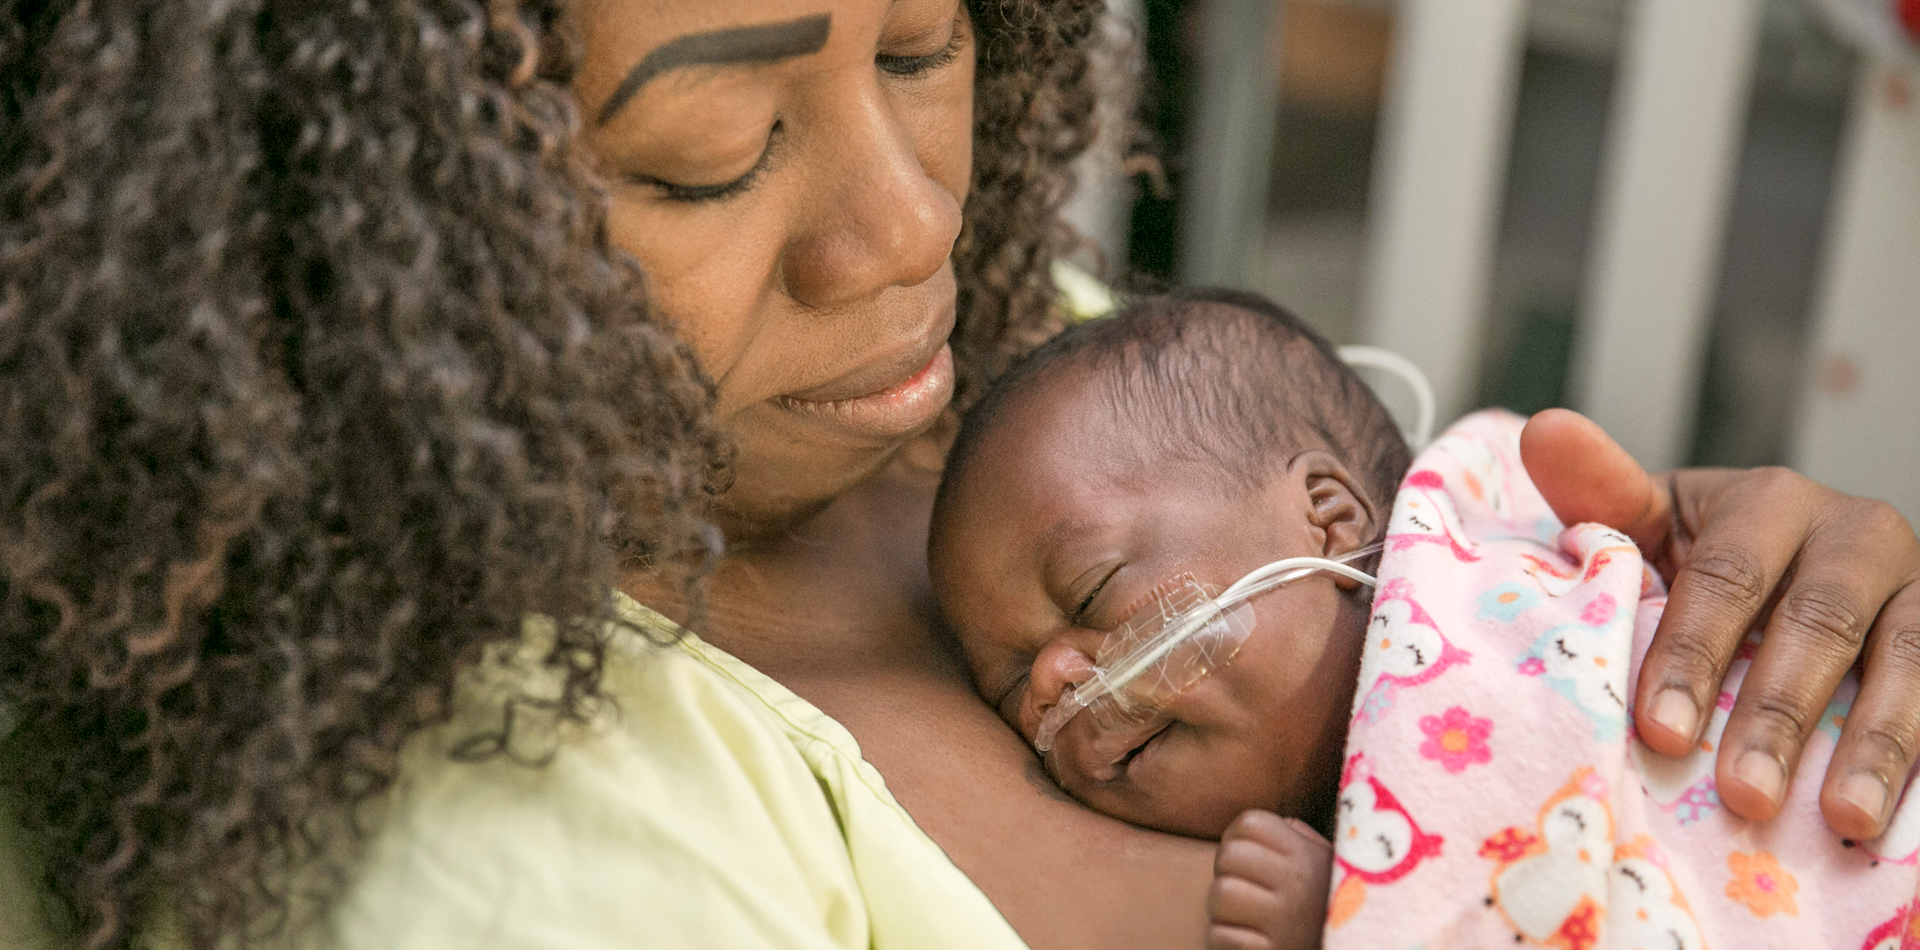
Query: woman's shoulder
702,805
668,716
678,794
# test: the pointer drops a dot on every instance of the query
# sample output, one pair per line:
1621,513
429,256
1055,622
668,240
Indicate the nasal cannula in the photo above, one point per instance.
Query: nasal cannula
1184,635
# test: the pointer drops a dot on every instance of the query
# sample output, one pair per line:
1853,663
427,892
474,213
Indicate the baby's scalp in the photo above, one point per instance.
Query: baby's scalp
1220,376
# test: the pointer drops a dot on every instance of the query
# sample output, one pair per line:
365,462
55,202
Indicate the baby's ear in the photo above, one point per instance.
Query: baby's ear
1336,504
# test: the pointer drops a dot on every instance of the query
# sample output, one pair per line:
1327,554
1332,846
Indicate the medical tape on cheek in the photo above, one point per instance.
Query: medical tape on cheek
1185,633
1178,638
1187,636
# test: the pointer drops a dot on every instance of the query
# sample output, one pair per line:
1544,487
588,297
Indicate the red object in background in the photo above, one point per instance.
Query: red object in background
1839,376
1910,15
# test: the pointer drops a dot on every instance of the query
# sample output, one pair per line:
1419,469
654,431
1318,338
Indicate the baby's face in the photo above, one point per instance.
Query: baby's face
1065,522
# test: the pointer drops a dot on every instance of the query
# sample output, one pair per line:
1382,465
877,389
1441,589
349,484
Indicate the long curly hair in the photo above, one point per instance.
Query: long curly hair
1036,94
318,375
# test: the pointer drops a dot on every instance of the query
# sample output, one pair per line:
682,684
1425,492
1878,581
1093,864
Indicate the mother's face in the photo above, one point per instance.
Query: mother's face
790,174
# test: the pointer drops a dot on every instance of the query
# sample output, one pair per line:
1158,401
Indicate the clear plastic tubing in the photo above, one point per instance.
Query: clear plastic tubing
1184,635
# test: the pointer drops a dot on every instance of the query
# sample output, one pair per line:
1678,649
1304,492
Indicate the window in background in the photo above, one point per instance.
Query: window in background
1332,58
1329,69
1757,351
1547,212
1153,239
1750,380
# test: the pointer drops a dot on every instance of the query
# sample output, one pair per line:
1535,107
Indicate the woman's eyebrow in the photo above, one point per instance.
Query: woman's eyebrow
754,45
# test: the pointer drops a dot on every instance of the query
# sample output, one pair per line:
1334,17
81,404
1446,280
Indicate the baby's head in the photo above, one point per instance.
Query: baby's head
1203,434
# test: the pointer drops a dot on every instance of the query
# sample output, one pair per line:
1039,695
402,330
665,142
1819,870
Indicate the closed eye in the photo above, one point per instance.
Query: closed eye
1079,612
919,65
700,194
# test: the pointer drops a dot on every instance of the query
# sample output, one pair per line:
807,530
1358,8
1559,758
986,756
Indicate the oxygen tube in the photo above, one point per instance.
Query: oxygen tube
1182,636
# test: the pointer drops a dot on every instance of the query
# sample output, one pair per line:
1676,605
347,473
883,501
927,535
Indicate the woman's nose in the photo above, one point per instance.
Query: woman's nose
1059,666
876,218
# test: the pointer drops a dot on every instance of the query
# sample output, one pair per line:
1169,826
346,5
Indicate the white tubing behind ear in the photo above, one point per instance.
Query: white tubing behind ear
1381,359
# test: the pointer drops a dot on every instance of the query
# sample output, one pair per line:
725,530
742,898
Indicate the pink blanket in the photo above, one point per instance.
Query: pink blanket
1495,794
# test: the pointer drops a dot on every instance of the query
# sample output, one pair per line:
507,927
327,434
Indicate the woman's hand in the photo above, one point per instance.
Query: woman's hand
1832,577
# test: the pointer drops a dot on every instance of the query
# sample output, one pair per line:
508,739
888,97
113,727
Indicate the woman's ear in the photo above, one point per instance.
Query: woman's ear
1337,507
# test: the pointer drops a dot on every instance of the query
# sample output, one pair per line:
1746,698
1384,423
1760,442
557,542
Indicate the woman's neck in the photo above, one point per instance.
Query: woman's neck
829,591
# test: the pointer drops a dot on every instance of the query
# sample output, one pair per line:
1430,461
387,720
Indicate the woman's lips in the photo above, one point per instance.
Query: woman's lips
897,410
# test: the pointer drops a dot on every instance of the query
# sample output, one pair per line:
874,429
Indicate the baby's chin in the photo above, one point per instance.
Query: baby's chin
1208,821
1197,810
1187,779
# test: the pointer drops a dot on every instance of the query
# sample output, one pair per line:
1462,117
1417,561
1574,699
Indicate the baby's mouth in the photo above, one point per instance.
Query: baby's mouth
1103,755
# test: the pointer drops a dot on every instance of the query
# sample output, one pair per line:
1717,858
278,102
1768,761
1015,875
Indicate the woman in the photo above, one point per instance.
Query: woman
318,374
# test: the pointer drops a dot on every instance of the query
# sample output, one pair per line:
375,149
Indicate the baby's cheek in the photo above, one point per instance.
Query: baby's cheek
1235,774
1236,785
1198,792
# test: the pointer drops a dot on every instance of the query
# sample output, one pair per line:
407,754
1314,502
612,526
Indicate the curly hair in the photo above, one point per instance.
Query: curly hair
1035,111
317,376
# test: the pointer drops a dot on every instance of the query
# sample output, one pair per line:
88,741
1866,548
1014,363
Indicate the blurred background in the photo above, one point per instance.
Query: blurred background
1697,221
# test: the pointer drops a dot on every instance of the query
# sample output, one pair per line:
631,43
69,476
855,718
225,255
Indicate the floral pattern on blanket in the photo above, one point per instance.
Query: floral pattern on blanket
1496,794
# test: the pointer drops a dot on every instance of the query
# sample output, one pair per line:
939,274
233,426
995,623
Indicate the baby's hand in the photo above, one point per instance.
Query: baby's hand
1269,885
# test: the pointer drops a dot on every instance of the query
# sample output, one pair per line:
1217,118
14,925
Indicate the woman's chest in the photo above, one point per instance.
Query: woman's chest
878,663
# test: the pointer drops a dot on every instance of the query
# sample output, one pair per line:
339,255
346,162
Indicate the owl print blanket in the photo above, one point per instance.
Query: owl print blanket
1495,794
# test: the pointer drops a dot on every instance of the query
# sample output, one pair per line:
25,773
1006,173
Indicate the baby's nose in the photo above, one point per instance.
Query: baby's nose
1060,665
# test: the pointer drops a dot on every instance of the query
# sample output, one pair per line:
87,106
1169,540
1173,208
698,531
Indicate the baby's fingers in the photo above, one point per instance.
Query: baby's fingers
1229,937
1268,850
1270,885
1240,914
1882,734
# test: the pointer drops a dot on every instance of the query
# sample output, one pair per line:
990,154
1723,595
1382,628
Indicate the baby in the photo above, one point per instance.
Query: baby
1204,435
1461,732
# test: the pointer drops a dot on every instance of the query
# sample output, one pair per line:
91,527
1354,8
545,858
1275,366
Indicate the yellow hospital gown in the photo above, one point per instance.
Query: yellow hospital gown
714,809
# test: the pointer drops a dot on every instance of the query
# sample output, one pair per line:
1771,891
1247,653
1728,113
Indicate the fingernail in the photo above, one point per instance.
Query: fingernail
1674,709
1762,772
1865,791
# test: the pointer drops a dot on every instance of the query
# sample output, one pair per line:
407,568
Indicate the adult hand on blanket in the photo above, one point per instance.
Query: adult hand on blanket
1832,579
